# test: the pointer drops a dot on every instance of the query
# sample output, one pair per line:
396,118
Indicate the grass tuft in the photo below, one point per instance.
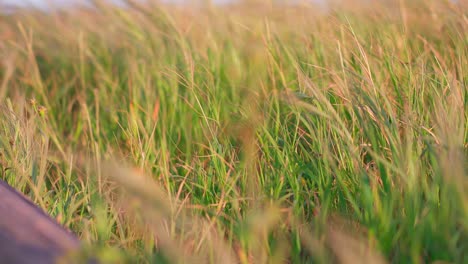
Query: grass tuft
214,134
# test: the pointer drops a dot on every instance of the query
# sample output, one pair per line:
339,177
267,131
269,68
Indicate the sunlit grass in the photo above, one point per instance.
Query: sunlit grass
229,135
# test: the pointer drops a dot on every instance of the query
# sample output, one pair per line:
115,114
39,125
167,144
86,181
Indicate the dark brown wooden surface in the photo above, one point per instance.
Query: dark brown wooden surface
27,234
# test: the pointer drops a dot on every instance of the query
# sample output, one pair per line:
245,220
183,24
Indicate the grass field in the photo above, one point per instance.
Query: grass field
250,133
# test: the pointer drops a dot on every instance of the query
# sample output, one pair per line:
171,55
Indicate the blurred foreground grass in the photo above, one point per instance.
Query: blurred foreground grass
251,133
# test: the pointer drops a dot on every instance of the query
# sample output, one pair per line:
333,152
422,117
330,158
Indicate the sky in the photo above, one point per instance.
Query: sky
43,4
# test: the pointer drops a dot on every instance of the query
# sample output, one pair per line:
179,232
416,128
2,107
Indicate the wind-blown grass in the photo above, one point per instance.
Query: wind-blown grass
221,134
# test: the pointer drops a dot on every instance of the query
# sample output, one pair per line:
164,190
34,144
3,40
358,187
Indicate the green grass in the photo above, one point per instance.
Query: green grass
224,134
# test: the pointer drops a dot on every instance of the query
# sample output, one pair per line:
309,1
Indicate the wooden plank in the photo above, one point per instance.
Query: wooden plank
27,234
